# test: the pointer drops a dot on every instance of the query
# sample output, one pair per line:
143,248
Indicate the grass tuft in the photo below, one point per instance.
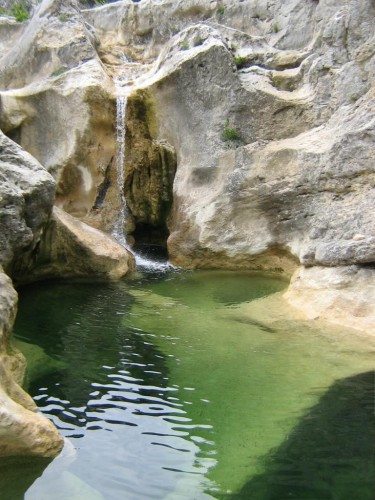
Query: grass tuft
230,134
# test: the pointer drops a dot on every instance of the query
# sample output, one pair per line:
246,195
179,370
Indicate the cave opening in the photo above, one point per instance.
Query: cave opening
151,241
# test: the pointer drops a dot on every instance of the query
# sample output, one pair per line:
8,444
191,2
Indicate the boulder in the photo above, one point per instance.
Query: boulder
72,249
26,196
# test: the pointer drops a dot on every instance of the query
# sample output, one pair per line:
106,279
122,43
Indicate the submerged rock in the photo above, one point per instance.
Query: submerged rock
344,295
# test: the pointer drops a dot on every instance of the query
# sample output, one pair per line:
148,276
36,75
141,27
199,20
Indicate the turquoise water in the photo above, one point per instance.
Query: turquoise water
166,389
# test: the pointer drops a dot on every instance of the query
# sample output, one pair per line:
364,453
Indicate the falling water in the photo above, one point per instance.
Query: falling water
119,232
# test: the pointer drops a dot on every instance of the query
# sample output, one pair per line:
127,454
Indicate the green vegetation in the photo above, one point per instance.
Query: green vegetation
239,61
230,134
19,11
198,41
185,45
275,28
220,11
59,71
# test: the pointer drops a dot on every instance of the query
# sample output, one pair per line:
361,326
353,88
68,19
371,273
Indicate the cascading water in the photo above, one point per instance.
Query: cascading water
119,229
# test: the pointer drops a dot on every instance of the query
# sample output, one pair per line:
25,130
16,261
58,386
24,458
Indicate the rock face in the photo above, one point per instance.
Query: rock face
57,101
26,198
270,109
72,249
150,167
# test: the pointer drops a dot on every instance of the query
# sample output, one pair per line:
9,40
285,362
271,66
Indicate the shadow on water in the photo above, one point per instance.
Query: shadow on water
330,455
18,474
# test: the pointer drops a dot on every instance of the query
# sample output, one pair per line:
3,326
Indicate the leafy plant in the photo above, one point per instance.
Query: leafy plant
229,133
19,11
198,41
221,10
64,17
282,83
240,61
185,45
275,28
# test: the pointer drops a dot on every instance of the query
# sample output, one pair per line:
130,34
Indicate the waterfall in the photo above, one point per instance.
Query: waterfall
118,231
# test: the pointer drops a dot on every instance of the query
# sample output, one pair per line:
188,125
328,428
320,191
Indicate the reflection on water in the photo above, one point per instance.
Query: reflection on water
163,394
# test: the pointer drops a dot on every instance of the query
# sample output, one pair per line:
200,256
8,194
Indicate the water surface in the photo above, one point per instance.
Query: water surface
163,392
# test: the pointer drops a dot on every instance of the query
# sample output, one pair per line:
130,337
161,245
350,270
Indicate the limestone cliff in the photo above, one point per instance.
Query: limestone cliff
270,109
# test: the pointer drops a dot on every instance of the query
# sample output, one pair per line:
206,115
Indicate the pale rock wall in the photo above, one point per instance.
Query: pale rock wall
57,101
297,186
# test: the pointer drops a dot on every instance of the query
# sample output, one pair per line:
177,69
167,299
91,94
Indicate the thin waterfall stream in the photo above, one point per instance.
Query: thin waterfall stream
119,228
119,231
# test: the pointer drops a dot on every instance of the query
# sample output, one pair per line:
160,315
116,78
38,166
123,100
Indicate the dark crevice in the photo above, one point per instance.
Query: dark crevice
103,188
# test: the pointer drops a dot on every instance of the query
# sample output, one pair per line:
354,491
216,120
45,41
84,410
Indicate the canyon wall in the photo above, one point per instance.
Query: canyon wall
249,135
270,110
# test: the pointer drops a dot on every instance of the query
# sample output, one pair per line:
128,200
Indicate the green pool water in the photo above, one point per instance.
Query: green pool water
165,390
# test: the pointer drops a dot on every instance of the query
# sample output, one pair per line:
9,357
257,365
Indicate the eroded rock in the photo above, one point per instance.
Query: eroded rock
72,249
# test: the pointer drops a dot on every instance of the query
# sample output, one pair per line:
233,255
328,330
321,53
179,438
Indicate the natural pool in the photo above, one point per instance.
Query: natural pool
165,392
